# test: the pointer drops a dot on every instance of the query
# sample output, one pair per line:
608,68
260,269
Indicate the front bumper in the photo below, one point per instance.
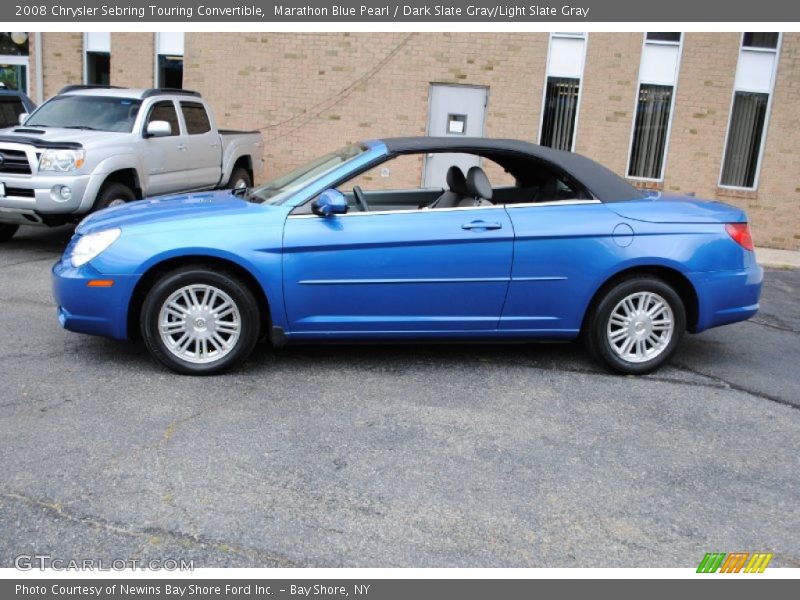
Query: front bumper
727,296
99,311
38,195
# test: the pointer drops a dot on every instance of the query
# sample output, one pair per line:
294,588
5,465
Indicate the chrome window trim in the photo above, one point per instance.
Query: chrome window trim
455,208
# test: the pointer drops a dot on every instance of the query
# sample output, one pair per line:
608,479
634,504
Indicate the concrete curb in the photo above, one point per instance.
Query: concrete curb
778,259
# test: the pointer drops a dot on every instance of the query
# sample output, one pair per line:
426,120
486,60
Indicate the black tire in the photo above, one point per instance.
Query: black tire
238,176
111,193
7,231
595,336
238,292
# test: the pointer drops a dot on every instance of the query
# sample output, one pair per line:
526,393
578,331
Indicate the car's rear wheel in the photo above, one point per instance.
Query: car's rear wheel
636,325
200,322
7,231
239,179
113,194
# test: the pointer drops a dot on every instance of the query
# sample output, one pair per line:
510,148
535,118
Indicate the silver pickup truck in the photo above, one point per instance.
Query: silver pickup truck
92,147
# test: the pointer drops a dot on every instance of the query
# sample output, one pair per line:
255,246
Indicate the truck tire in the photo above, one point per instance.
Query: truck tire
113,194
240,178
7,231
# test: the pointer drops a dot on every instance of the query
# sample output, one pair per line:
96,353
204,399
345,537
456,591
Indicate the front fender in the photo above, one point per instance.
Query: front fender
104,168
138,259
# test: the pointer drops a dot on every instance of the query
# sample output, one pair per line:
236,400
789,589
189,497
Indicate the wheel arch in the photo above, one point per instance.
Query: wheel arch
682,285
245,162
161,268
128,177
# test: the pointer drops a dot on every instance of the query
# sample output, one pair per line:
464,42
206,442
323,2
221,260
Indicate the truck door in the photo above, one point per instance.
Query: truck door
165,156
204,148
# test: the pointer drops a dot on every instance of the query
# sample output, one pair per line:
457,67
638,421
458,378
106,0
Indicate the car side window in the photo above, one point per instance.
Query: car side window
165,111
195,117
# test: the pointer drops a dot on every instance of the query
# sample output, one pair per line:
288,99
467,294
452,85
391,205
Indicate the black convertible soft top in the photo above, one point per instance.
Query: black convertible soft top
514,155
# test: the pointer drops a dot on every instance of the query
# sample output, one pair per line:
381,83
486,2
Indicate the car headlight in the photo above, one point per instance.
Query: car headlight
91,245
62,160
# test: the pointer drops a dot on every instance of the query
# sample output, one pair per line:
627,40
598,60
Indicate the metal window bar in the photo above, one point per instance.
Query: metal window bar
650,131
560,110
744,139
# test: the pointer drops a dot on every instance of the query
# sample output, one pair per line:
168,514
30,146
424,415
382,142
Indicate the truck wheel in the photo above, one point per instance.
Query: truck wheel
113,194
198,321
240,178
635,327
7,231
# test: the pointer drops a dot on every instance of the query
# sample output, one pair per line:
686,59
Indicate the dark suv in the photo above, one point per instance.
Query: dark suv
12,104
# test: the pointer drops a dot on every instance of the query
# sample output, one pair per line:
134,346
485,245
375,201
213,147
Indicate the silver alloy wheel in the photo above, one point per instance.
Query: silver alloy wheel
199,323
240,184
640,327
116,202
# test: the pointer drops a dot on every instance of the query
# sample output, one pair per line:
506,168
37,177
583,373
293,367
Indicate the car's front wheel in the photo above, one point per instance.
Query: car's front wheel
7,231
636,325
198,321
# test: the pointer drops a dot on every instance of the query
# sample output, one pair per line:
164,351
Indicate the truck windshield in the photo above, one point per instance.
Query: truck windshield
279,189
99,113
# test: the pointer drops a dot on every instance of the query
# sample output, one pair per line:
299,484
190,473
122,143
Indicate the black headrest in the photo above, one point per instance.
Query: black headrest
478,184
456,182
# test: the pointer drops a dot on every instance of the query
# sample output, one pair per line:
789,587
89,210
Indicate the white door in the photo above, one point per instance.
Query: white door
453,111
204,147
165,156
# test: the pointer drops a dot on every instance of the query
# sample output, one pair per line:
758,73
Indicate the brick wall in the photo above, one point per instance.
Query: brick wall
315,92
610,79
62,62
702,106
775,211
133,59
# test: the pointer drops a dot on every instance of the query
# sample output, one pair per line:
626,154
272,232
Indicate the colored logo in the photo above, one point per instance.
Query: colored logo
736,562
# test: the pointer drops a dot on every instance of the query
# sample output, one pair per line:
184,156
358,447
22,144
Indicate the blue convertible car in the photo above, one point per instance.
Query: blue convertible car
564,249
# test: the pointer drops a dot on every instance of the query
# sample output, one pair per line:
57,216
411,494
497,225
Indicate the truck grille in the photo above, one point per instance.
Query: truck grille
14,162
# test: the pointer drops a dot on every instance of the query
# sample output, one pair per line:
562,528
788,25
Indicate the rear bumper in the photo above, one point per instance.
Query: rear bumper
99,311
727,296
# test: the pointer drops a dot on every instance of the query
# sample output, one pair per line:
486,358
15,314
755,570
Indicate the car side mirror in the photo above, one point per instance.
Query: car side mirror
22,118
158,129
330,202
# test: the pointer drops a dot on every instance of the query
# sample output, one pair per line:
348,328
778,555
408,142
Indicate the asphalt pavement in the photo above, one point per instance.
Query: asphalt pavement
396,455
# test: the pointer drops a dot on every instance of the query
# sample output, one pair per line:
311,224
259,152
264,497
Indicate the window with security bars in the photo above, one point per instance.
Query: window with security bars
744,139
650,131
560,110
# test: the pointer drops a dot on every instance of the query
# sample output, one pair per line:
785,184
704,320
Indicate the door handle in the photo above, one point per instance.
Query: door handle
215,145
481,225
181,146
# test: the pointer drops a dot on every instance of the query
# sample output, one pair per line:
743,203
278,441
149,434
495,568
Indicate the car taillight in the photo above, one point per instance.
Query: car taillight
740,232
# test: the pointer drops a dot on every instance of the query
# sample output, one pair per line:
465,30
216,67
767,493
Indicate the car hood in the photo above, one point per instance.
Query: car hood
186,209
665,208
43,135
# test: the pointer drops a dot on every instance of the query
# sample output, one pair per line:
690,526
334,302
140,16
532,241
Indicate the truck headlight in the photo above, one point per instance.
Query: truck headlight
91,245
62,160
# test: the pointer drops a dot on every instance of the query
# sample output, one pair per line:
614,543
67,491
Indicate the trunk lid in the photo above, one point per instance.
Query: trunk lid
666,208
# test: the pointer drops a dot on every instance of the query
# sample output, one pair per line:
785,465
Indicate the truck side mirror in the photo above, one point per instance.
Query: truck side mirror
158,129
22,118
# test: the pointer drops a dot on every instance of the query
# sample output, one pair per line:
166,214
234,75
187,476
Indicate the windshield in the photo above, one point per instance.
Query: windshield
277,190
87,112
